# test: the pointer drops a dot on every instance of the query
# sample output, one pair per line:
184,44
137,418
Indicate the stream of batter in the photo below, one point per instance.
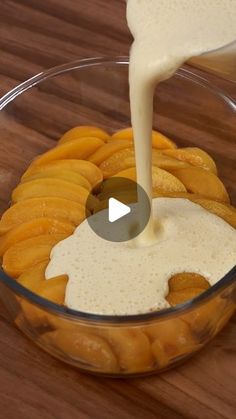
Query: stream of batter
120,278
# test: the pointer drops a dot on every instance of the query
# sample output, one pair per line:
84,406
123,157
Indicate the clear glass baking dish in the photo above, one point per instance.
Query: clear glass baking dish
188,109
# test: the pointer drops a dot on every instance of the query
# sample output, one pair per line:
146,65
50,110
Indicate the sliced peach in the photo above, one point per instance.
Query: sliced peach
119,160
223,319
131,347
195,156
124,159
27,253
205,319
33,276
26,210
33,228
63,174
159,354
87,348
54,289
187,280
54,292
159,140
174,336
181,296
202,182
76,149
84,131
50,187
107,150
162,181
123,134
165,162
83,167
32,315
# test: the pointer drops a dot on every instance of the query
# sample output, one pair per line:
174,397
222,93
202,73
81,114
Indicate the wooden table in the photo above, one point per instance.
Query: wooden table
35,35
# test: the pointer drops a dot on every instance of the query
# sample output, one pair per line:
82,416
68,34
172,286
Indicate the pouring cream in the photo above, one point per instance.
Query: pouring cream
166,34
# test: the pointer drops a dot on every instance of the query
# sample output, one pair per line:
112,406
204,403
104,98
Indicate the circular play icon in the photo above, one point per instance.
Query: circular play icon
122,210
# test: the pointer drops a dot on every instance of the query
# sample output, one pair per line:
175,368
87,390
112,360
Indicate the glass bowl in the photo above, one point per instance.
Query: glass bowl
95,92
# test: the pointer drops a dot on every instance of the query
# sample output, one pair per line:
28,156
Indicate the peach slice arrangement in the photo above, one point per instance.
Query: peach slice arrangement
49,203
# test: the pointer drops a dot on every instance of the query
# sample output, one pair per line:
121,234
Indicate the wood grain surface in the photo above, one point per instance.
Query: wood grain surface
36,35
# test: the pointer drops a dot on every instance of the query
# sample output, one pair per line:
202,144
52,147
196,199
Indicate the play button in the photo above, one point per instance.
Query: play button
119,215
117,210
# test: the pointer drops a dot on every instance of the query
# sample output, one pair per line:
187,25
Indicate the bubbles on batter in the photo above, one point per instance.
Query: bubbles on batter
114,278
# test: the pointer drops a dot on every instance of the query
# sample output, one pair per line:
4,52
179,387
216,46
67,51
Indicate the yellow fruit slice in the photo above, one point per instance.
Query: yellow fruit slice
52,289
173,336
124,159
49,187
84,131
181,296
34,280
119,160
161,357
28,253
63,174
76,149
162,181
87,348
165,162
205,318
107,150
59,208
33,228
202,182
33,276
187,280
131,347
83,167
159,140
195,156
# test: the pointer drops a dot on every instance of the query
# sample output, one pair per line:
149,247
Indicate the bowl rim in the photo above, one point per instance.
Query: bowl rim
64,311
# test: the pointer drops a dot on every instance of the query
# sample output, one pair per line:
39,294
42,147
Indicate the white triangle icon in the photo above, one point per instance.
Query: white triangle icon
117,210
